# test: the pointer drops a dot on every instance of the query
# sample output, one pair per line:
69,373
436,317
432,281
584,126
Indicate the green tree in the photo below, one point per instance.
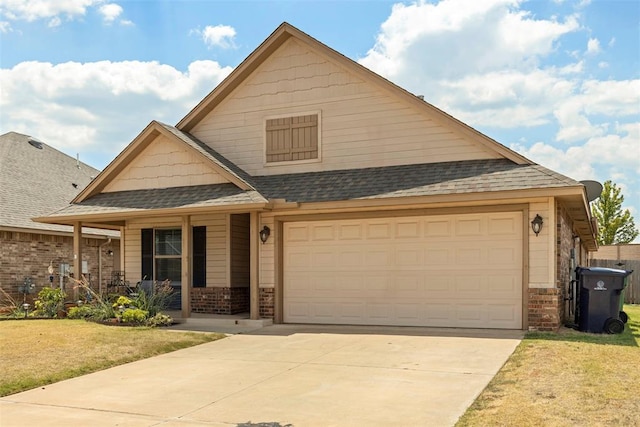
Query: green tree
614,225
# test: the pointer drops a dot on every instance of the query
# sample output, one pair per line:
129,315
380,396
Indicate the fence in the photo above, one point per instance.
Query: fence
632,292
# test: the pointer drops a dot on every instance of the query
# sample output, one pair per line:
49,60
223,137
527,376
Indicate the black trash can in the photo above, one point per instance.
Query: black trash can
600,290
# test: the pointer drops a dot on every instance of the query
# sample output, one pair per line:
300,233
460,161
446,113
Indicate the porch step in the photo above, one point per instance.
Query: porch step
208,321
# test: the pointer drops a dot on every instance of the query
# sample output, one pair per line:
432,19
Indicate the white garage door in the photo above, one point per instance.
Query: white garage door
450,270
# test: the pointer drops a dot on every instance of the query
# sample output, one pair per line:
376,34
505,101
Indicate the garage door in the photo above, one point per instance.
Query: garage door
451,271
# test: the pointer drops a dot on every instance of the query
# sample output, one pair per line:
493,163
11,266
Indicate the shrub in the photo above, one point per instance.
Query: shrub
81,312
157,299
50,301
134,315
159,320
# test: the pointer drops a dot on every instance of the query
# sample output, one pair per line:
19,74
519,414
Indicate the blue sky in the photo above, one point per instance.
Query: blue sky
556,80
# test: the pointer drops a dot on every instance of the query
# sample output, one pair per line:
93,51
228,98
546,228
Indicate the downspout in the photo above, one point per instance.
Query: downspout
100,264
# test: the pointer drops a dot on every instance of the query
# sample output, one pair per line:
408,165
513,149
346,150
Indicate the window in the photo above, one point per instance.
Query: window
162,255
292,138
168,255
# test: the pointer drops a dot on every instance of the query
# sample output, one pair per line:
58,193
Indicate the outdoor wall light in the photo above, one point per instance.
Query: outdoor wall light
264,234
110,252
536,224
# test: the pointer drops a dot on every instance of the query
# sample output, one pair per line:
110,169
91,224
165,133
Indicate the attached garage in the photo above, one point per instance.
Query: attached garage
460,270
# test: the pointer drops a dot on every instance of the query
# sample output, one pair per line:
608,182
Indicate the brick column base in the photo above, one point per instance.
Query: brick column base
267,303
545,308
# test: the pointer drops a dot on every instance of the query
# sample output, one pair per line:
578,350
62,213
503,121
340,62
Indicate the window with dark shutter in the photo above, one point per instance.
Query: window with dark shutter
292,138
199,279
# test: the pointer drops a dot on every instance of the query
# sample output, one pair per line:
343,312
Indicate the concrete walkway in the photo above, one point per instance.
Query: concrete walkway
283,375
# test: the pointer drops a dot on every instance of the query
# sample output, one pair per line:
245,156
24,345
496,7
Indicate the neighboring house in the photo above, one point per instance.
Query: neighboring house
375,207
36,179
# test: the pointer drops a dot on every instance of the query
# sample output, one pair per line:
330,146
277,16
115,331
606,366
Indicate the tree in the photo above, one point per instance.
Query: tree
614,225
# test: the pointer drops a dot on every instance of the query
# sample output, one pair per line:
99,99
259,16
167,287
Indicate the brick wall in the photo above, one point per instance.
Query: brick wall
29,254
544,309
564,245
267,303
220,300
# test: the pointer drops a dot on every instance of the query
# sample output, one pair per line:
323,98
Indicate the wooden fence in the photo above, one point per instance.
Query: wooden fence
632,291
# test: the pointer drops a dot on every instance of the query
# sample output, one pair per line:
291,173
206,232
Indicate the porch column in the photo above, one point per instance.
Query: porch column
254,265
77,257
186,266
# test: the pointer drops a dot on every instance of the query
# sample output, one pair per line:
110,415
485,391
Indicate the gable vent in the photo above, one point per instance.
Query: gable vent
35,142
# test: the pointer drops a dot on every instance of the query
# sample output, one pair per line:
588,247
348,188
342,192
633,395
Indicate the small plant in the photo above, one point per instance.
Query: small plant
159,320
156,300
134,315
50,301
81,312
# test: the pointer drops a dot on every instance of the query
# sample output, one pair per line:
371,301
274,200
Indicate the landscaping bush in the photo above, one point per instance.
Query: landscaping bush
156,300
50,302
159,320
134,315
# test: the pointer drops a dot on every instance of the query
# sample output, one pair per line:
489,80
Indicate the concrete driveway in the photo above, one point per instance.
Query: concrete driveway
283,375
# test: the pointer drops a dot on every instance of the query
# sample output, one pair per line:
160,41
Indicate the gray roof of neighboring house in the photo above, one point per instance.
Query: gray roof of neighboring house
429,179
36,181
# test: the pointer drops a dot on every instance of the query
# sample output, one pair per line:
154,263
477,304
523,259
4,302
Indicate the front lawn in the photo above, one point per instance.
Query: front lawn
34,353
566,379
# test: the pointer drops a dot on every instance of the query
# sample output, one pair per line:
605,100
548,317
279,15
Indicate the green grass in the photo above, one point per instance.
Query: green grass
34,353
565,379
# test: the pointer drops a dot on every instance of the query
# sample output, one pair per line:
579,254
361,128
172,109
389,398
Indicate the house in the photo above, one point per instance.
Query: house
36,179
307,189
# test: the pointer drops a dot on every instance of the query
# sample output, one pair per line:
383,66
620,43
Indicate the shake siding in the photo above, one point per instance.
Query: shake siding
165,164
360,125
541,253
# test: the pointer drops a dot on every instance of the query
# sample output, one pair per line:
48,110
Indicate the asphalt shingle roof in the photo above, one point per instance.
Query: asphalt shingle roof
163,198
36,181
464,177
472,176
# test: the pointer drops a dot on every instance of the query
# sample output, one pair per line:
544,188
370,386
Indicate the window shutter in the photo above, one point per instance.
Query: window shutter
199,268
147,253
292,138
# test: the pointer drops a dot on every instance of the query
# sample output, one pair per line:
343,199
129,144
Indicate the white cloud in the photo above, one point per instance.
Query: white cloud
32,10
219,35
99,106
110,12
5,27
55,10
593,47
54,22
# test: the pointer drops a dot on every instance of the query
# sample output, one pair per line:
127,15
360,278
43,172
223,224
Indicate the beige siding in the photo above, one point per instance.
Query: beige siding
164,164
542,247
217,254
216,245
267,255
361,126
240,250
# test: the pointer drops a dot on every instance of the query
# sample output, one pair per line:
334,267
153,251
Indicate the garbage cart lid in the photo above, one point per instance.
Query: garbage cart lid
586,271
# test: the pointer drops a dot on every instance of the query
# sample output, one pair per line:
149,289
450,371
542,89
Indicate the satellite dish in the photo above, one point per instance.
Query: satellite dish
594,189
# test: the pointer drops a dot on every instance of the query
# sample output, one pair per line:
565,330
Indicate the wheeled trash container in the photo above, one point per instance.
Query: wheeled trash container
600,292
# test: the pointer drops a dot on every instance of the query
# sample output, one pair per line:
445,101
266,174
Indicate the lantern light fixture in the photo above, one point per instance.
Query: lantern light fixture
536,224
264,234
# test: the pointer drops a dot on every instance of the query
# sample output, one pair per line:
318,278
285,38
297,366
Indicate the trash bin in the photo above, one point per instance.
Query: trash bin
600,292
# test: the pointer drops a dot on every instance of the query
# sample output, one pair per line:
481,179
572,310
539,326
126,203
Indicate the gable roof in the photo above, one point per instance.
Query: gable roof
218,162
36,179
286,31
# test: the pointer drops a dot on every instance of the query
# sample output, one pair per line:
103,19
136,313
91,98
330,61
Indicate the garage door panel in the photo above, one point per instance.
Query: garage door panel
461,271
